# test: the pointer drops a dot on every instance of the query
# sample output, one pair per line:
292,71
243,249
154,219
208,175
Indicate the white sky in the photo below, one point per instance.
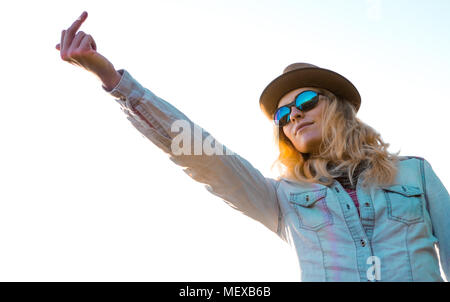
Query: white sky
84,197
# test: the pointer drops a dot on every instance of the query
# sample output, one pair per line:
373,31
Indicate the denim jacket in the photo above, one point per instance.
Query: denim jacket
393,239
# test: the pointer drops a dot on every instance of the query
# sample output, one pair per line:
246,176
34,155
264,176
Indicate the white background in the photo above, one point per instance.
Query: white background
84,197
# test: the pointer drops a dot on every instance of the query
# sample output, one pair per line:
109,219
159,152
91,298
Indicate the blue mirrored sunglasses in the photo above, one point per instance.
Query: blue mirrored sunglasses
304,101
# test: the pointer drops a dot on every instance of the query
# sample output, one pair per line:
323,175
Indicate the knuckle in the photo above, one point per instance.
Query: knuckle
89,52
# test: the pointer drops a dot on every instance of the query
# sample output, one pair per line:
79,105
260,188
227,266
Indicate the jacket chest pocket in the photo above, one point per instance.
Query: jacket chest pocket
311,209
405,203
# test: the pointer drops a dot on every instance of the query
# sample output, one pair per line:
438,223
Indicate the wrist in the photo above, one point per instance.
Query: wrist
110,80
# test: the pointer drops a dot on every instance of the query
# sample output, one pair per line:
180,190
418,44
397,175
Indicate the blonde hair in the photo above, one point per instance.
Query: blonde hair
346,143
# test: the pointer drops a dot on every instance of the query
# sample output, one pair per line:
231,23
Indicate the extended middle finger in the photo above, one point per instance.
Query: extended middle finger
72,30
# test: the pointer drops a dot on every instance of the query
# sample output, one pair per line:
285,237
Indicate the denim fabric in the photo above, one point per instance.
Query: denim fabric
400,224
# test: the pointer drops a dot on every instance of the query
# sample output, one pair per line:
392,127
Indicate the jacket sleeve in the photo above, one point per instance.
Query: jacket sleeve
203,158
438,201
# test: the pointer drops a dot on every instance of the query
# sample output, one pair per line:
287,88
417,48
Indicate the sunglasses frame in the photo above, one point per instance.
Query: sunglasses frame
293,103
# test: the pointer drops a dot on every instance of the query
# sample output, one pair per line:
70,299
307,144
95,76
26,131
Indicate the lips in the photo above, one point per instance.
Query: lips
301,126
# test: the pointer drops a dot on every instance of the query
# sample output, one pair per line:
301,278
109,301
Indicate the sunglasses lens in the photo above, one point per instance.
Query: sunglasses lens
281,116
306,100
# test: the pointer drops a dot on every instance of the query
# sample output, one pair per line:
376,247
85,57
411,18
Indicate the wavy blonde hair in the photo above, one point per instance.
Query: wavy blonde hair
346,143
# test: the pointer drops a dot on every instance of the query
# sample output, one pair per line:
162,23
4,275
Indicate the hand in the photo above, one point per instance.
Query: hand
80,49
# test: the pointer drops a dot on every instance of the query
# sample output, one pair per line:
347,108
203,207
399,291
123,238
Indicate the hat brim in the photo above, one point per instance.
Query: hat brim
307,77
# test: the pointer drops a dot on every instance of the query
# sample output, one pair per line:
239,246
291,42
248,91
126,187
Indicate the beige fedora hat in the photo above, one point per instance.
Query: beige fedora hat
300,75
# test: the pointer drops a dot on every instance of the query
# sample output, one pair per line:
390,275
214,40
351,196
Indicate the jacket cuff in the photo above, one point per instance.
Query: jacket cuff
127,88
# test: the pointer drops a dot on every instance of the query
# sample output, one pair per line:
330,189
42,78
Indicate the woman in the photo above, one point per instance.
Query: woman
352,211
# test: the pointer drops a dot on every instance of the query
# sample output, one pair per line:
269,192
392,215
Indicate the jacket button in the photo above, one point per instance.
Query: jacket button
348,207
367,204
363,243
337,190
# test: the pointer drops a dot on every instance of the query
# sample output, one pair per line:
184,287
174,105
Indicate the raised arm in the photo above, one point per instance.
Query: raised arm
203,158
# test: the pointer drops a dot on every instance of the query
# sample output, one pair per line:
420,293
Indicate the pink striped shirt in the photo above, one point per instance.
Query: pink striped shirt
352,194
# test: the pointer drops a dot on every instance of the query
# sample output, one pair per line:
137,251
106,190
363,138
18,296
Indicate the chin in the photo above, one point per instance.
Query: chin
308,145
305,148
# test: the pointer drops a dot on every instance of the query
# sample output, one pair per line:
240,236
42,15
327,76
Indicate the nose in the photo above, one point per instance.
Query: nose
296,114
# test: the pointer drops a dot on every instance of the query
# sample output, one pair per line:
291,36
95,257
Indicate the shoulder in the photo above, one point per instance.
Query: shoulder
412,168
408,157
416,161
409,160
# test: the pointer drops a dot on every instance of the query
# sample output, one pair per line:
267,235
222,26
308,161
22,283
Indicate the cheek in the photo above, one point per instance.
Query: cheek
317,128
287,132
315,113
